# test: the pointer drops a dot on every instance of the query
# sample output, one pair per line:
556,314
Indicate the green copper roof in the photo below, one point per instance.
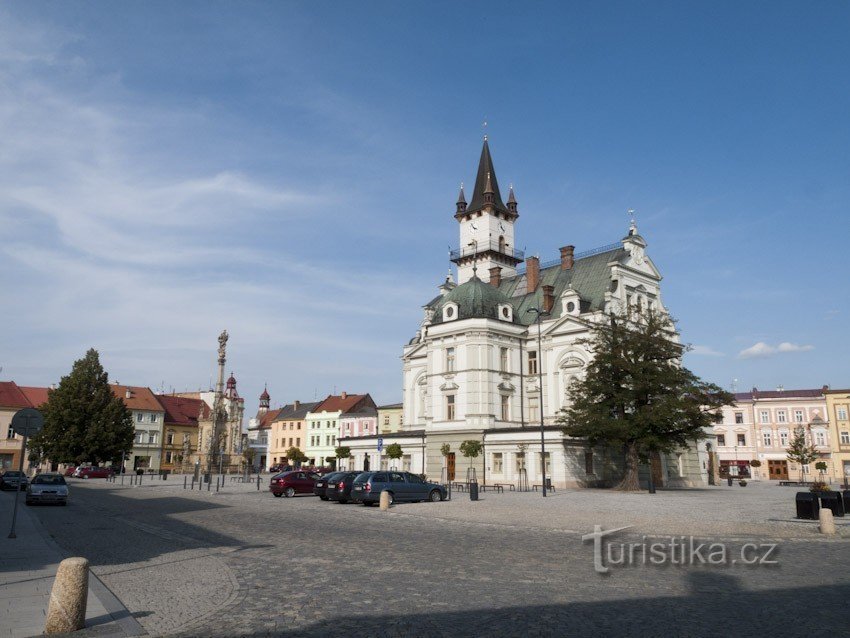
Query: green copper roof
475,299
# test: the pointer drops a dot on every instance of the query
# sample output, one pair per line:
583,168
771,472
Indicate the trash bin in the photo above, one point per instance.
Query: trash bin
808,506
139,472
729,481
832,501
206,477
473,491
846,498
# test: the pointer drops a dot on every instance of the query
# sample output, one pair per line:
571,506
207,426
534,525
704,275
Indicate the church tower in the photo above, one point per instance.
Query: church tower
264,401
486,226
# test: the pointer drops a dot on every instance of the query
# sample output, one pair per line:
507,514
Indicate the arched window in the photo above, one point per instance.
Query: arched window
501,243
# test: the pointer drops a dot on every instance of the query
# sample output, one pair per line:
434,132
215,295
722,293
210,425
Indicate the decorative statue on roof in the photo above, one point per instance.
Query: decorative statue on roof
222,345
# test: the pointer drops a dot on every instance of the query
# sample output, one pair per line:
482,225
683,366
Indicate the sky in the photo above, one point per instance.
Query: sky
288,171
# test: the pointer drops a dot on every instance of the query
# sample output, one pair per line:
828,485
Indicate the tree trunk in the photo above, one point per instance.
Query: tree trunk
630,481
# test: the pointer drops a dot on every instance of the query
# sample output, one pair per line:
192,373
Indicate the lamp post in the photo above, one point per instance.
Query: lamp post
540,314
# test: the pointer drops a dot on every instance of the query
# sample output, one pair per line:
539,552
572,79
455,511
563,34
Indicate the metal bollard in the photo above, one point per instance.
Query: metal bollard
258,483
209,485
216,485
184,482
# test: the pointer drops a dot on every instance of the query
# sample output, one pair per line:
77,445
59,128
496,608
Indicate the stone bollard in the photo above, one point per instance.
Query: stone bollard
826,521
385,500
67,609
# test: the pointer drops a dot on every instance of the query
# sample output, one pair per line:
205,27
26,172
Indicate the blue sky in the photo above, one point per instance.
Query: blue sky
289,170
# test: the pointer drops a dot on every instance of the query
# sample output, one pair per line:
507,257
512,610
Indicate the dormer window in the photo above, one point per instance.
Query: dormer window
506,312
450,311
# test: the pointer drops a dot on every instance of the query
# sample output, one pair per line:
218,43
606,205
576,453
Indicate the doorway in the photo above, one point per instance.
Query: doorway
777,470
450,465
366,463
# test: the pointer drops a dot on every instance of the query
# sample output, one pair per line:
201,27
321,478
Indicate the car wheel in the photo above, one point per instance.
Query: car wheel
28,502
277,494
64,503
368,503
289,492
392,498
343,501
435,496
85,476
324,498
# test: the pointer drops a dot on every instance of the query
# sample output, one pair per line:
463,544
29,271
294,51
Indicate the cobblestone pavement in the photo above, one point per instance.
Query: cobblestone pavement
242,563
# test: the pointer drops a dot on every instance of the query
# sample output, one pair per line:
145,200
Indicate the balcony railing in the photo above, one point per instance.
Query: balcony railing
484,246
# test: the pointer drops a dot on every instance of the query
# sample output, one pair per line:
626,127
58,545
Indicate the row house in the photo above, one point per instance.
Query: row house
762,424
837,409
13,398
390,418
180,431
323,424
288,429
148,419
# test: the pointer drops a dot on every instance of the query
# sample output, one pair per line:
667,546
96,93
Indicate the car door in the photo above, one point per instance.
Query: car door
418,487
399,486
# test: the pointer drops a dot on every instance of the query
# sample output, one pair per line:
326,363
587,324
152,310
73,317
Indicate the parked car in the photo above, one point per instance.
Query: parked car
402,486
13,480
322,484
91,471
49,487
280,467
291,483
340,488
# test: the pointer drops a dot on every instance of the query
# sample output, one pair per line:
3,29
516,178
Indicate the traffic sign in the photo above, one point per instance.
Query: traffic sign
27,422
380,443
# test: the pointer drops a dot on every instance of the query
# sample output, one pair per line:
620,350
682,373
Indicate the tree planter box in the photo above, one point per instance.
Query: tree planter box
808,506
832,501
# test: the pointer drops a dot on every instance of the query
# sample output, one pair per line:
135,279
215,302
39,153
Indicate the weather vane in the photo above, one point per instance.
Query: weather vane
484,128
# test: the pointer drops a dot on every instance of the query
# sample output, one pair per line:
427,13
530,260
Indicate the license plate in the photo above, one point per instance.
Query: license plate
357,488
320,484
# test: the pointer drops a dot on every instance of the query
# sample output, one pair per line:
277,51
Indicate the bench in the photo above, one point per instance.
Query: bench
511,487
460,487
551,488
494,486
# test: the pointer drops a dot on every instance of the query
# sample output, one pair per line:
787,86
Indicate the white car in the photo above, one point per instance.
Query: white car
47,488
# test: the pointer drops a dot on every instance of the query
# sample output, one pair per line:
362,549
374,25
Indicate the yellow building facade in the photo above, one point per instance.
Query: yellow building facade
838,409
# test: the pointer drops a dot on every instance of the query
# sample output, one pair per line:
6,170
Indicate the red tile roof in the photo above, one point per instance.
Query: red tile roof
181,410
36,396
12,397
268,418
342,403
139,399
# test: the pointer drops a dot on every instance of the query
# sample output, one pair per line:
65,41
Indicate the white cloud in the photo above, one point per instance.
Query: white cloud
705,351
762,350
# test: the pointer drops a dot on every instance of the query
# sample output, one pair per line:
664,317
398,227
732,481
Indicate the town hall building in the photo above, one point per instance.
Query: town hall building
473,369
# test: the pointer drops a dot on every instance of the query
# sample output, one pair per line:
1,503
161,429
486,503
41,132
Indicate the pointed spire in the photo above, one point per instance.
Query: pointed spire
511,199
486,183
461,201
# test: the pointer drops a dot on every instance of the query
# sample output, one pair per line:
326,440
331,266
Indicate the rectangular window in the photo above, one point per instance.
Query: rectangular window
10,433
140,436
450,407
298,442
798,416
139,417
450,359
532,362
520,461
386,419
169,438
742,439
588,462
766,438
721,440
820,438
842,413
739,417
506,408
783,439
533,409
153,418
548,460
497,463
764,415
290,441
845,438
405,463
151,437
503,359
168,457
781,416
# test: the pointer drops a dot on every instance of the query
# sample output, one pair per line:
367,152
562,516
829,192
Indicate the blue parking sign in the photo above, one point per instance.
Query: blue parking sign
380,443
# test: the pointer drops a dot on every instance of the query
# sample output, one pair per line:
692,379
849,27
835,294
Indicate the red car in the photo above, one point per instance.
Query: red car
70,471
291,483
93,472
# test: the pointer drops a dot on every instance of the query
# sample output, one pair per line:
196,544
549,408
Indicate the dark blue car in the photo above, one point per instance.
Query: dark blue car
402,486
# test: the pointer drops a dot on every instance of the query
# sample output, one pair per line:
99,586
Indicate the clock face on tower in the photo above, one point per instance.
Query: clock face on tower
501,227
473,226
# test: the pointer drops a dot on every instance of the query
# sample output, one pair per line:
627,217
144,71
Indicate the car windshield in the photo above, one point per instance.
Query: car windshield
49,479
13,474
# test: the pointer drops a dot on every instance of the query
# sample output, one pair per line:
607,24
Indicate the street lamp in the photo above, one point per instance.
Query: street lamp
540,314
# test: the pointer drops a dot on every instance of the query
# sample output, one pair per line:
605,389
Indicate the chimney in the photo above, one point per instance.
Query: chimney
129,393
344,395
825,388
495,276
532,273
548,298
567,257
296,404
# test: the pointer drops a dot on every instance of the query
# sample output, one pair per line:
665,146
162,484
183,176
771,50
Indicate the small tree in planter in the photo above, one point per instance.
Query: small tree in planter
820,466
394,452
800,452
343,452
471,449
445,450
755,463
295,456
